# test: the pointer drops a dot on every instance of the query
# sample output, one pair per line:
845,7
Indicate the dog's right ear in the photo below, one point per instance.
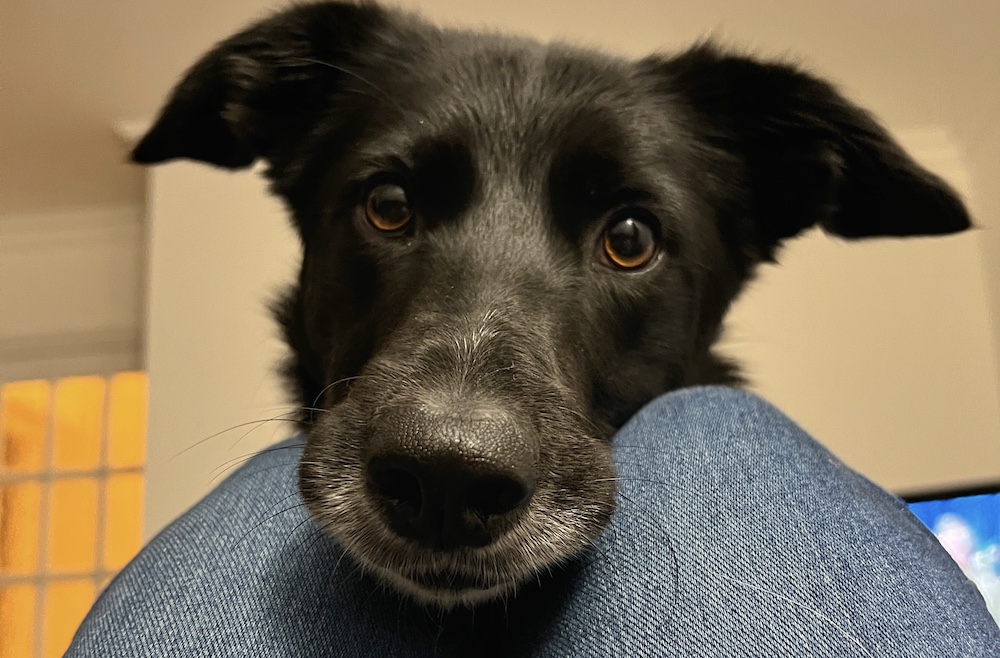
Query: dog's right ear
810,156
257,93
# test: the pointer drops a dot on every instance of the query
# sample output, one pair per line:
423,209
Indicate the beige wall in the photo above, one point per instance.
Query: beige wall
219,248
883,350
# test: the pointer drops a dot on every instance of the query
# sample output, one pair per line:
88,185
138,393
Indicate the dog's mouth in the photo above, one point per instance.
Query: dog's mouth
451,581
447,588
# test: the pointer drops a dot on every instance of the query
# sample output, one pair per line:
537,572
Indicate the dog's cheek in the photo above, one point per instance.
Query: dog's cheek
331,475
639,354
584,488
338,291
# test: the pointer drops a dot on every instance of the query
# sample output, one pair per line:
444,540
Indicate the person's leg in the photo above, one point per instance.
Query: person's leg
735,535
739,535
245,573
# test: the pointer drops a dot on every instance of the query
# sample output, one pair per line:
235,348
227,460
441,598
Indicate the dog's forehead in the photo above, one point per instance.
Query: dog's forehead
516,82
508,100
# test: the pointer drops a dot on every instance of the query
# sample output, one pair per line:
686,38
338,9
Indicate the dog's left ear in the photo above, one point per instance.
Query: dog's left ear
810,156
259,92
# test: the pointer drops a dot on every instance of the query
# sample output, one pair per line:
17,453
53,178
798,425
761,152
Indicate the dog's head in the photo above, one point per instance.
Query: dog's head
508,249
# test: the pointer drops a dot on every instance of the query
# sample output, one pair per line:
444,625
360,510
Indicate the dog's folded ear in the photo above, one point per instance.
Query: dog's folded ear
810,156
256,92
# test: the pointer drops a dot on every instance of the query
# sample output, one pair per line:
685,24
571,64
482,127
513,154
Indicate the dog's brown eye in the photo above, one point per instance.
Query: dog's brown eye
629,244
387,208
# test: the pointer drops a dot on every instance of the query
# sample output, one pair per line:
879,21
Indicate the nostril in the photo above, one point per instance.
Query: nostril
395,482
492,496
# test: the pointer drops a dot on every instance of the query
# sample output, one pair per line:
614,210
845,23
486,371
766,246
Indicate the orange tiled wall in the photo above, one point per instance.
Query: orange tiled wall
71,494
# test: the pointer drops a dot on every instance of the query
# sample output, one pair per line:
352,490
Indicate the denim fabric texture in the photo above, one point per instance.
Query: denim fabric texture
736,534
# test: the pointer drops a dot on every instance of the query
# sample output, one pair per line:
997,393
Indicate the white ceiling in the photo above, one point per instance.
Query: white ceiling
70,70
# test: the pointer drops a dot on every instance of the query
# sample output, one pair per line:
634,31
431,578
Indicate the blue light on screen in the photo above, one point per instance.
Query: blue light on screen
969,529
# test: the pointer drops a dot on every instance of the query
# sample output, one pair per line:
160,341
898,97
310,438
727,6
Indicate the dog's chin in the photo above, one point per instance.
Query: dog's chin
444,590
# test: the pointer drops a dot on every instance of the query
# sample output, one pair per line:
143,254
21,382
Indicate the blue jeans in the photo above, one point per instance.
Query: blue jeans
735,535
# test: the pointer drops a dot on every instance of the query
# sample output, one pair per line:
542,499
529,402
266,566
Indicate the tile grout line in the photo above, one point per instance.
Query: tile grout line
102,479
43,477
48,459
42,577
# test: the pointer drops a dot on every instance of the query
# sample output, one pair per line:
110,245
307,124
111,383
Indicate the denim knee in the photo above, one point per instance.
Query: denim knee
718,421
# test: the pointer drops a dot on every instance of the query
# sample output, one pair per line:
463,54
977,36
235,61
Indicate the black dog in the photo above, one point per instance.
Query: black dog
510,248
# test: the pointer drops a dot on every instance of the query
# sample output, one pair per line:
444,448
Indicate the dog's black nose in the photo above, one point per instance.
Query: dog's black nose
451,479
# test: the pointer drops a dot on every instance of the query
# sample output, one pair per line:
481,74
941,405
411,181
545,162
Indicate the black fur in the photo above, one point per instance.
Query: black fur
516,157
